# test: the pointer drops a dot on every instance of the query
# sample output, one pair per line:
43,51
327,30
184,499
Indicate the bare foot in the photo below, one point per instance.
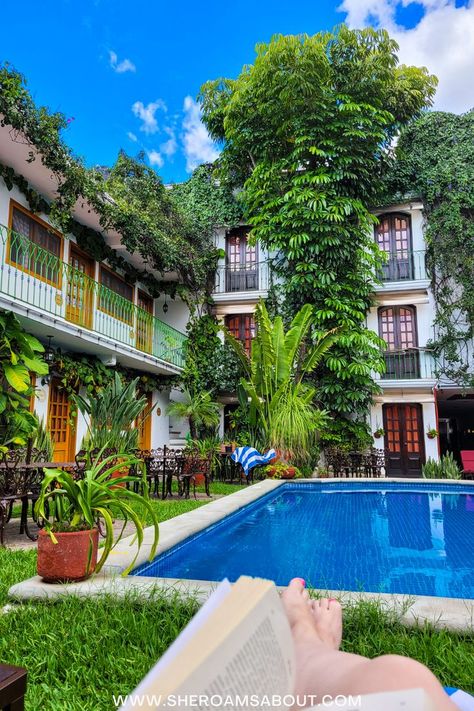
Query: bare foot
327,614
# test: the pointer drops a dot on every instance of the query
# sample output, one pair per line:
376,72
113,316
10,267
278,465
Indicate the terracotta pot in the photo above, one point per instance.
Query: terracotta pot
276,458
270,472
116,475
66,560
377,435
431,436
199,479
289,473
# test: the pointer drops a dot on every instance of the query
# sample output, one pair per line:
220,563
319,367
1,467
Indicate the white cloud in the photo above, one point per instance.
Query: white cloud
147,114
126,65
132,136
169,147
442,41
198,145
155,158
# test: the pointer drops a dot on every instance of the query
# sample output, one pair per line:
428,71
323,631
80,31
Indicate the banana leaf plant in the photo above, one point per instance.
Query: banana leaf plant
279,401
70,504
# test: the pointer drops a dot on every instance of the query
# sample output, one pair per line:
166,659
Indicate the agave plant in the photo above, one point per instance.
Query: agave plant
111,414
67,504
279,402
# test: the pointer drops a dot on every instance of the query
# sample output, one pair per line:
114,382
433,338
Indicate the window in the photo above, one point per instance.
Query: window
397,326
393,236
241,262
34,246
242,327
121,308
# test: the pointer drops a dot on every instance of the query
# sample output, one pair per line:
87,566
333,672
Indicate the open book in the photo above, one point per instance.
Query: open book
237,653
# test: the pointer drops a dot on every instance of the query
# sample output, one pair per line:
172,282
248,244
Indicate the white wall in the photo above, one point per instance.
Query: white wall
159,419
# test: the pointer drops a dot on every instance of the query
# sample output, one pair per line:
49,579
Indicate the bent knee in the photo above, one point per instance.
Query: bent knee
406,672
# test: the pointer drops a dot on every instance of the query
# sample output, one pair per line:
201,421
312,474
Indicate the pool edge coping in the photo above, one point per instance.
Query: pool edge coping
453,613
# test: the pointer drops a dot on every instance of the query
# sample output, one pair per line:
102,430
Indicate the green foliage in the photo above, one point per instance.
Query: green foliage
279,469
199,409
142,210
209,364
80,502
445,468
307,131
435,157
43,442
111,414
19,356
274,393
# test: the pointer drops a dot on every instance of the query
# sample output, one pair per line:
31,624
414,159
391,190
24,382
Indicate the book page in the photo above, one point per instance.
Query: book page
242,648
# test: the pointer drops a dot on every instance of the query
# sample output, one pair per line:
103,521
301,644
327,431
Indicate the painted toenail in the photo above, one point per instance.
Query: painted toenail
332,599
302,581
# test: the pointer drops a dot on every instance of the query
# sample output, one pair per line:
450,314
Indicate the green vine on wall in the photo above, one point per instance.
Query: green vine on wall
435,156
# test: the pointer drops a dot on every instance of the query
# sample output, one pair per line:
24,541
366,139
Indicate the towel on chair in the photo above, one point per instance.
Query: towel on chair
249,457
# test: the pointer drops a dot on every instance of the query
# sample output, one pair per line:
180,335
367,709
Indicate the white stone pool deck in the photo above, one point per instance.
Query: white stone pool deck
452,613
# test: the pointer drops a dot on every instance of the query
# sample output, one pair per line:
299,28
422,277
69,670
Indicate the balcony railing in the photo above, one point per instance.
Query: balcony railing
410,364
404,265
32,275
245,277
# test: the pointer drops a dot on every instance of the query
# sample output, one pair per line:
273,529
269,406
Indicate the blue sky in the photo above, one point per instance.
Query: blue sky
129,72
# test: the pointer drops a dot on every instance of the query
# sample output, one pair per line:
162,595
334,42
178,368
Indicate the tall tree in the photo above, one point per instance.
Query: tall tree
306,131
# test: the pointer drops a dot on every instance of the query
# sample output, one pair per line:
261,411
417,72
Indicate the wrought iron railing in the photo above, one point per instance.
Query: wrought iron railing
242,277
32,275
409,364
404,265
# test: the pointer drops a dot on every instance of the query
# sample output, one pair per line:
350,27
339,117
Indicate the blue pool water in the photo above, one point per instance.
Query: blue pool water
382,537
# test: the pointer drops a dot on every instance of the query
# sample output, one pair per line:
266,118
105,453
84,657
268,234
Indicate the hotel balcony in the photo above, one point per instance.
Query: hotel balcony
242,282
411,367
53,298
404,271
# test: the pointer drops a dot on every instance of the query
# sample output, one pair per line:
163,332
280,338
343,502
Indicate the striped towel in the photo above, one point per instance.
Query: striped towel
249,458
462,700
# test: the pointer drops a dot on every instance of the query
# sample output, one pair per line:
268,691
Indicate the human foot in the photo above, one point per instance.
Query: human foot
327,614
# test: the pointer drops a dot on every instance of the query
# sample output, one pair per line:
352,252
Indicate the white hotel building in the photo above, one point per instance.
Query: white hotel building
66,298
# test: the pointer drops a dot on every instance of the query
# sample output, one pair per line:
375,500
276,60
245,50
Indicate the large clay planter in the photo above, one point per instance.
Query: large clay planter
66,560
289,473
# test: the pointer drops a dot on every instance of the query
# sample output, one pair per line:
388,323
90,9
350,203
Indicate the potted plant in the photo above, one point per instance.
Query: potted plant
432,433
379,432
72,508
281,470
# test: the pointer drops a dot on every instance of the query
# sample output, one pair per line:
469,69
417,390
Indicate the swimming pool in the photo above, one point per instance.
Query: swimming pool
370,537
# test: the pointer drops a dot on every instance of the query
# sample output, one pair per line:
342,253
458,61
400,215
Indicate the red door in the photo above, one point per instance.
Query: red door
403,425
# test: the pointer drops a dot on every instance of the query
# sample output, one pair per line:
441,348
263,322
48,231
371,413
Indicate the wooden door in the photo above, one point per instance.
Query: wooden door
80,288
145,322
59,415
144,426
393,236
403,425
242,327
397,326
242,265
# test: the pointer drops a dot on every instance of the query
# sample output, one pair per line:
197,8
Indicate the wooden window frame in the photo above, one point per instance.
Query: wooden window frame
132,300
241,318
397,308
391,216
14,205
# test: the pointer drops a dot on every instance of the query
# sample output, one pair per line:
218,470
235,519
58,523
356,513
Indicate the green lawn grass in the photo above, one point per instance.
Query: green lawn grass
79,652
